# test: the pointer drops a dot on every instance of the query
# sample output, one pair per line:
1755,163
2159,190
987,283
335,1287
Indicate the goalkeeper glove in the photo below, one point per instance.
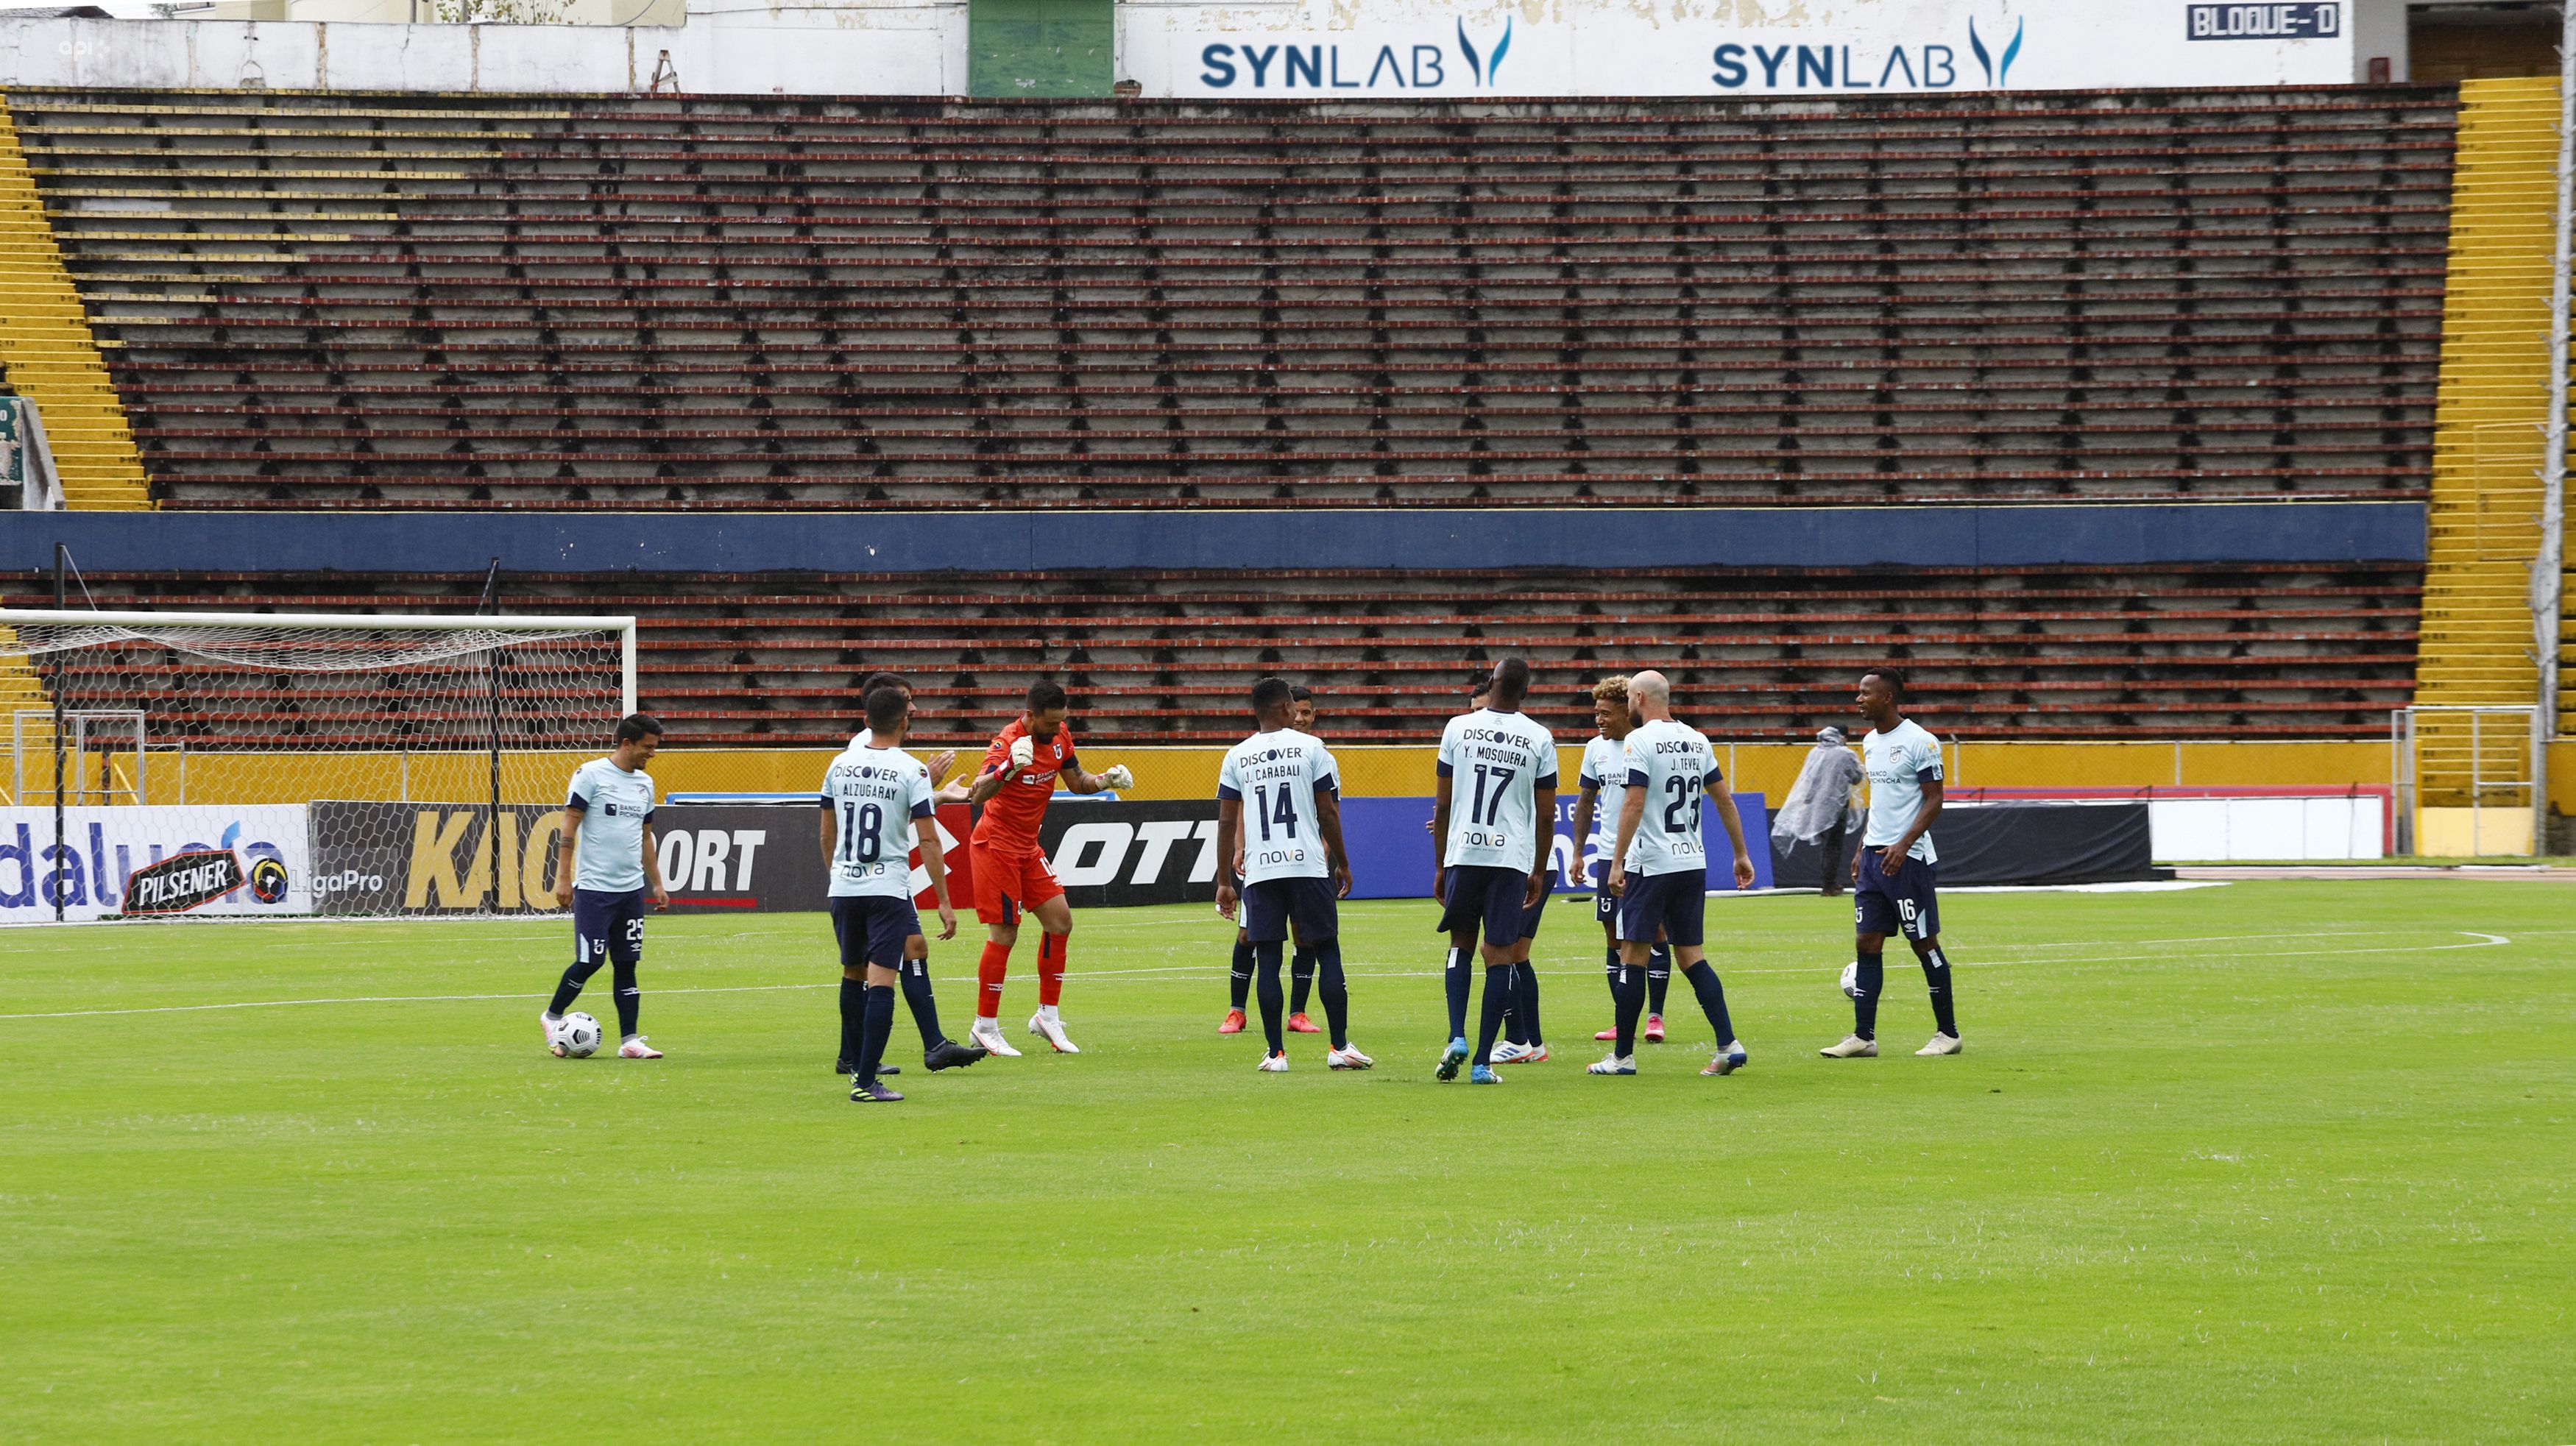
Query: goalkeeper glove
1024,751
1118,777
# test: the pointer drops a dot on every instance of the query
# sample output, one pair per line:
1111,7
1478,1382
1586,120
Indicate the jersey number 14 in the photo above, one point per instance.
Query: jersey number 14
1285,816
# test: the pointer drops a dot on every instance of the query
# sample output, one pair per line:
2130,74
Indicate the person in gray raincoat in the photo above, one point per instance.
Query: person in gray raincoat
1823,805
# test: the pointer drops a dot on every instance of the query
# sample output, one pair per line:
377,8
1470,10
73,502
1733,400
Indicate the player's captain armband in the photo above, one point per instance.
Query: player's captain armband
1119,777
1024,751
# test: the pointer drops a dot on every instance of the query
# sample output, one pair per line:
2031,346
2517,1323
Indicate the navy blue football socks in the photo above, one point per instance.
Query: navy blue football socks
1301,979
1239,983
1871,974
924,1004
630,999
1712,1000
1265,967
854,1020
1659,978
1628,1000
877,1024
1525,1004
1456,979
1499,990
1335,990
1936,977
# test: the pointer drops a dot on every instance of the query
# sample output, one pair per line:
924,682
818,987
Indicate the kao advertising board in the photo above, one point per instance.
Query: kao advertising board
433,858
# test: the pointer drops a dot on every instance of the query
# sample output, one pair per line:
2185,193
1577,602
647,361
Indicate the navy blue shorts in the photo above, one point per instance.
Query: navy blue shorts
1903,905
872,929
1489,899
1605,904
607,926
1673,903
1270,906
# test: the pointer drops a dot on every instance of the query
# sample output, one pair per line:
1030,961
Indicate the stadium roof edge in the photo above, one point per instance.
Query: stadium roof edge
1255,540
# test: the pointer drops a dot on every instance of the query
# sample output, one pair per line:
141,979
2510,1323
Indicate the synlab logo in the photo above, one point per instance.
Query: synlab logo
1486,68
1998,72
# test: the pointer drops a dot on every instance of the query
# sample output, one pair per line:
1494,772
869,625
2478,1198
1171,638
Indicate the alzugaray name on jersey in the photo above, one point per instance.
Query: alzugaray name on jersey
875,794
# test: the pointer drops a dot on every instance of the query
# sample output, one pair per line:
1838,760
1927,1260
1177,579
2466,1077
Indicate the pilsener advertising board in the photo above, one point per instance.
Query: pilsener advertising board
103,847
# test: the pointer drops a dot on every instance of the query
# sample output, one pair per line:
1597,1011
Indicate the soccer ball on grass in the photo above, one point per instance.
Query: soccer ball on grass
578,1034
1851,979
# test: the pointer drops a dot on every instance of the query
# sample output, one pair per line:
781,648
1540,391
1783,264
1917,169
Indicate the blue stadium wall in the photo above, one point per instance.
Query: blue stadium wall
1253,541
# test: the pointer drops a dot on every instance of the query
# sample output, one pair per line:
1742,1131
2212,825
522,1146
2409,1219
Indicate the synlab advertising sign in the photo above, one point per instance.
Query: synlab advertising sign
1596,48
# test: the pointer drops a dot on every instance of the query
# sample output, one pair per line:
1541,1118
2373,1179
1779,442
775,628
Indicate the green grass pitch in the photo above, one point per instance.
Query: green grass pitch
2272,1162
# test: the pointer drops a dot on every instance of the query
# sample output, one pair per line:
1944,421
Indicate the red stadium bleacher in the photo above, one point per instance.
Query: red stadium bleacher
490,301
2238,651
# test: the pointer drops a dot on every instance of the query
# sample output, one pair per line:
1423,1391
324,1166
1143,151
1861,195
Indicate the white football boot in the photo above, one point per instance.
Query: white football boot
988,1033
1729,1058
550,1024
1348,1057
1052,1031
1613,1064
1510,1053
636,1048
1275,1063
1941,1044
1852,1047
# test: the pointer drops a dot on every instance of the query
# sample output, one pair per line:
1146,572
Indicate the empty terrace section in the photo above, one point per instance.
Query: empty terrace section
486,302
49,356
2209,651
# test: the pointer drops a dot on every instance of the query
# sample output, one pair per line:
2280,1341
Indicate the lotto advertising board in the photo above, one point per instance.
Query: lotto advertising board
93,871
1112,854
433,858
1391,853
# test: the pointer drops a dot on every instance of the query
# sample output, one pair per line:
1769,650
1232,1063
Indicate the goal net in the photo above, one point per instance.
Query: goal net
283,764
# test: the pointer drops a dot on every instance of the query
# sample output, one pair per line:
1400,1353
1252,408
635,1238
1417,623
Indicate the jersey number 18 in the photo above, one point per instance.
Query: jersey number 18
862,832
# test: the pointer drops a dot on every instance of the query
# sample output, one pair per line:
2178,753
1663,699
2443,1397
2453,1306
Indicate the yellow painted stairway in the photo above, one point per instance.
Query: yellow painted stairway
48,354
2484,517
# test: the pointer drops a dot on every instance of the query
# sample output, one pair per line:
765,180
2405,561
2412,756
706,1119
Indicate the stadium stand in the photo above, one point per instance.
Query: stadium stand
496,302
2241,651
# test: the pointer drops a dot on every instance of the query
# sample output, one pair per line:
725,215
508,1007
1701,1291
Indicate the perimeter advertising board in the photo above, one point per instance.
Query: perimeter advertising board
104,847
433,858
1822,51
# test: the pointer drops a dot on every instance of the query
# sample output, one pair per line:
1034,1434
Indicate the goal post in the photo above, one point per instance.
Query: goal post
344,763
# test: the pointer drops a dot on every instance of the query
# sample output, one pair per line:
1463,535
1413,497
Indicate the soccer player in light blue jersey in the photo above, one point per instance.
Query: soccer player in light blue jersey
1301,964
1894,878
1660,867
1279,826
604,864
1494,861
1604,785
872,798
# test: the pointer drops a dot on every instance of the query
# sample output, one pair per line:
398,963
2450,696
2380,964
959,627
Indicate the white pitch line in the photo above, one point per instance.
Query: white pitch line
2481,941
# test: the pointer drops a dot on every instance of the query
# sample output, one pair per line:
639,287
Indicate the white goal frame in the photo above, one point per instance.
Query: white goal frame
624,627
147,627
